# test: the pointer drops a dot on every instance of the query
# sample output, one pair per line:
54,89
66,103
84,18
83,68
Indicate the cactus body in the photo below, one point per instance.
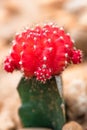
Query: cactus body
41,104
41,96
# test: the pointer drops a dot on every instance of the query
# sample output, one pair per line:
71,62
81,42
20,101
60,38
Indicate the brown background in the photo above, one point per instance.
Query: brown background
15,16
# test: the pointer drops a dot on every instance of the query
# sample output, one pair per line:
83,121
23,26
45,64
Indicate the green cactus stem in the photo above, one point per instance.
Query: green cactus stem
42,104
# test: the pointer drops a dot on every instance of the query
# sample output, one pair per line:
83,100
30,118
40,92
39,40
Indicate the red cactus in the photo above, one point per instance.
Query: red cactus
42,52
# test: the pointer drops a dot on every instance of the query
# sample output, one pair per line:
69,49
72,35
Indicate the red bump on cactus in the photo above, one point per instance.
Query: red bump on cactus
9,64
76,56
42,52
42,74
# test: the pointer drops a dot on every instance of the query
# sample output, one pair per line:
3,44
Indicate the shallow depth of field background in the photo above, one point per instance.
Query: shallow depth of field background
15,16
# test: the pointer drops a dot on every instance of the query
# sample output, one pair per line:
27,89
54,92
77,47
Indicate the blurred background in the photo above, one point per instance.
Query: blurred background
15,16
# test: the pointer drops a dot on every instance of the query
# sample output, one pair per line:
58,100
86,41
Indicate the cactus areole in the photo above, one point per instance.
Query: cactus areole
41,54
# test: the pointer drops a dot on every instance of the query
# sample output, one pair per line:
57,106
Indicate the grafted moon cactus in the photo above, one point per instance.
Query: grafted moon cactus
42,54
